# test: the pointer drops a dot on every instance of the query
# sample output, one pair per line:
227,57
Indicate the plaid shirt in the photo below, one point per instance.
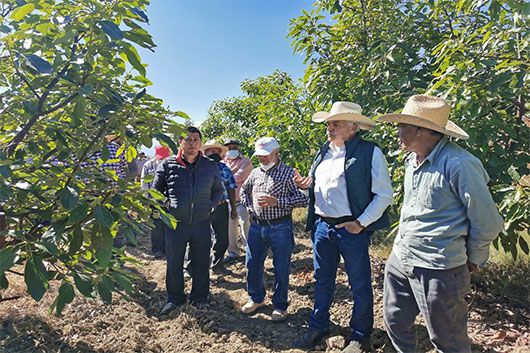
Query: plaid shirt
118,166
277,182
227,179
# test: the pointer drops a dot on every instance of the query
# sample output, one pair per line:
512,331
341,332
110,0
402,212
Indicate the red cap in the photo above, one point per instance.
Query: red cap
161,152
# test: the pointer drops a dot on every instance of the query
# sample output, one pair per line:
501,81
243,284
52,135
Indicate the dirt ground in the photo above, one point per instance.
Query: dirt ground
496,323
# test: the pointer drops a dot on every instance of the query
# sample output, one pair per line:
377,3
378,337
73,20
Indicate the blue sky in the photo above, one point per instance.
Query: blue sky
207,48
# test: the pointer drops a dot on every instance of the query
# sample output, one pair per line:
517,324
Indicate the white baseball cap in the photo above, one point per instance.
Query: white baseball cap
265,146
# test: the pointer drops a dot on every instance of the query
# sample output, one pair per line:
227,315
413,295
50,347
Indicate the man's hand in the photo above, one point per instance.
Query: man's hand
233,214
473,268
351,227
267,201
300,181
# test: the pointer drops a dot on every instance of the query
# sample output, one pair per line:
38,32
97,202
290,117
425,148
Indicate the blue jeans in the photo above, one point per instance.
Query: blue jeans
197,235
437,294
279,237
329,243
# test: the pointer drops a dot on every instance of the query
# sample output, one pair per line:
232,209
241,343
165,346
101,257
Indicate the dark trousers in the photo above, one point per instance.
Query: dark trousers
197,235
220,232
158,238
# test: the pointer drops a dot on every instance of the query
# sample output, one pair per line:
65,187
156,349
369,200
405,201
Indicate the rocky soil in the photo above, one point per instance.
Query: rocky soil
496,323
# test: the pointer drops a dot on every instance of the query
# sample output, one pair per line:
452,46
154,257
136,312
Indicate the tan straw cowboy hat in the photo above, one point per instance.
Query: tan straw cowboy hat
429,112
345,111
214,144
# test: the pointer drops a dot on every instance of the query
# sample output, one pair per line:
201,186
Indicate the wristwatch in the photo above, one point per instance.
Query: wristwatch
359,224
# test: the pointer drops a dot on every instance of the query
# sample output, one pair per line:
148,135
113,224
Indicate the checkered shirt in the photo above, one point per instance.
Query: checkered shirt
277,182
118,166
227,179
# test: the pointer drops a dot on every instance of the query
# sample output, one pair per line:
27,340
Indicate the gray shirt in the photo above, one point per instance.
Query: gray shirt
448,215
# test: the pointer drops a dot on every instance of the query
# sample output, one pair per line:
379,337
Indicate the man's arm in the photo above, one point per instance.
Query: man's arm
470,182
160,178
217,188
245,192
294,198
381,187
244,170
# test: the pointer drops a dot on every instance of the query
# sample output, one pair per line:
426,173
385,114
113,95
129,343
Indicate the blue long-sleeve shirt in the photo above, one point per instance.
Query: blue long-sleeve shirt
448,215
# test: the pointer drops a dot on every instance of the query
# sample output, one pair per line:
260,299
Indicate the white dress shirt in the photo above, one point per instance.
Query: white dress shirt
331,195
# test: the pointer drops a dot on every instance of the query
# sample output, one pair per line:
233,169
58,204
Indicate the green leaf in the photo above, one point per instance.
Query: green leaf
123,282
155,193
78,213
110,108
40,65
104,293
4,284
68,197
103,216
8,257
22,11
48,247
512,172
168,141
77,240
83,284
130,154
66,292
167,218
523,244
105,153
148,178
78,114
140,14
36,277
103,248
111,29
147,141
134,59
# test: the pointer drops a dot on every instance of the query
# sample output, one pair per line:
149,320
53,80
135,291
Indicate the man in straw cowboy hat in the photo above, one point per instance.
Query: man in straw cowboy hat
214,150
270,195
349,191
448,220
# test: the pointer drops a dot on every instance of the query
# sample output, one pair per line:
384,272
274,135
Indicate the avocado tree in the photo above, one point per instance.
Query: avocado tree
70,74
271,106
473,53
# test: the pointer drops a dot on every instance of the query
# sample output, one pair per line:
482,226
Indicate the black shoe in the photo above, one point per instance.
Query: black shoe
159,255
310,339
229,259
220,269
200,306
169,307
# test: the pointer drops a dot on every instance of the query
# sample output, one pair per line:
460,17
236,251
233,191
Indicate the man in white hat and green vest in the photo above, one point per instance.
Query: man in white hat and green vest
448,221
349,191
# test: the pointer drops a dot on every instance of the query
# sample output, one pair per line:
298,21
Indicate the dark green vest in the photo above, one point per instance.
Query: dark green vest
358,168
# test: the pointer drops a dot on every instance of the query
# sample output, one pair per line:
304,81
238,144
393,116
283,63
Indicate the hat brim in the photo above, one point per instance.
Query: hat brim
231,143
364,122
223,149
451,129
261,153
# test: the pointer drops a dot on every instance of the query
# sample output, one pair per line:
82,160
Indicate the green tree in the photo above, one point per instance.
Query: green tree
474,53
271,106
70,74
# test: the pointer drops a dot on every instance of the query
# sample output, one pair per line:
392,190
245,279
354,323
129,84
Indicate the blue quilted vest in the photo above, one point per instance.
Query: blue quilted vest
358,167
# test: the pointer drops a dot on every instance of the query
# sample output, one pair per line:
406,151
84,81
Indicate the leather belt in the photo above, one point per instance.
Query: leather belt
268,222
334,221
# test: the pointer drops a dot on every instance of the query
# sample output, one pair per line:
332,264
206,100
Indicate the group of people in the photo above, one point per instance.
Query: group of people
447,222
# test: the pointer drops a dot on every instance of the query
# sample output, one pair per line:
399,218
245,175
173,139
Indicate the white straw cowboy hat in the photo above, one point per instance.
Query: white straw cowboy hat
429,112
214,144
345,111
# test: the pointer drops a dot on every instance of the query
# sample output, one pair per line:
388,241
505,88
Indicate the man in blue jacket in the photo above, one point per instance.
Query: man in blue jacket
349,191
192,184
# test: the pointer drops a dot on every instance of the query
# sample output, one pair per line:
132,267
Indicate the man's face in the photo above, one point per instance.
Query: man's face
408,137
264,160
233,146
339,131
208,152
191,144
